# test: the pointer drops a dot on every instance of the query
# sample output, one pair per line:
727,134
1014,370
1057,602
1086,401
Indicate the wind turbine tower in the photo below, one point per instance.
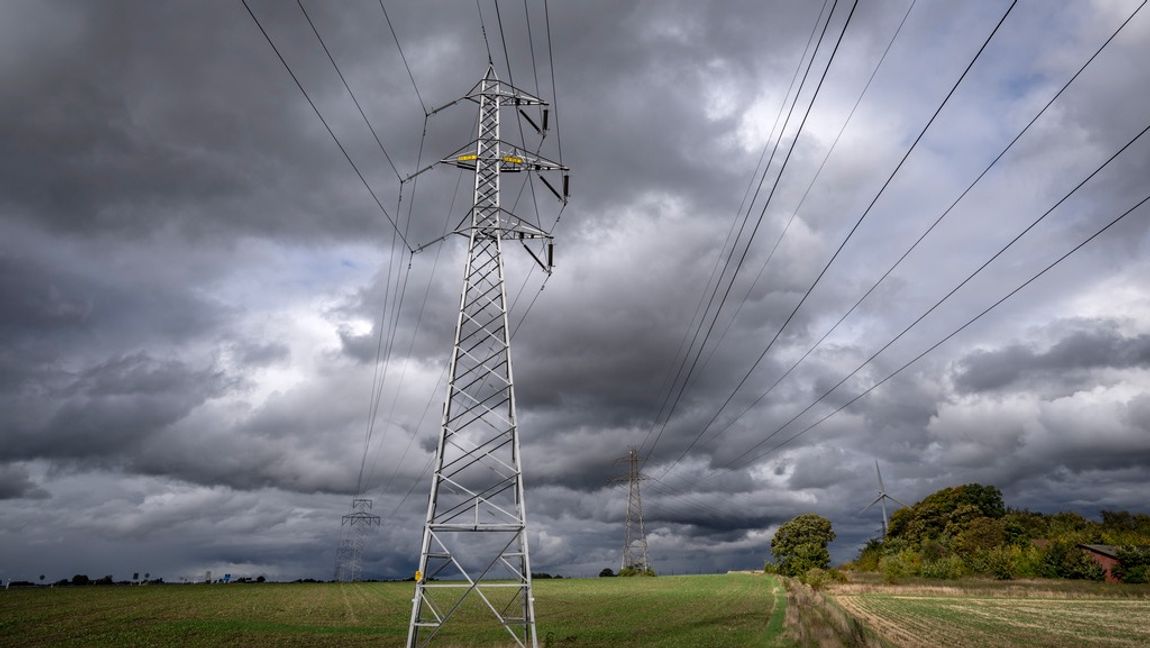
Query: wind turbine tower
474,547
881,499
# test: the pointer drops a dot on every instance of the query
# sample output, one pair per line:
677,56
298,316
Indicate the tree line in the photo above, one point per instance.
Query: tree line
969,531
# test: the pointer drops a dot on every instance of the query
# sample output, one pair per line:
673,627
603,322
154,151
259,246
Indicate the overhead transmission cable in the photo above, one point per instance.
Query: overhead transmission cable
738,458
347,87
670,378
403,57
762,214
935,223
554,88
957,287
483,30
322,120
958,330
842,245
411,346
818,172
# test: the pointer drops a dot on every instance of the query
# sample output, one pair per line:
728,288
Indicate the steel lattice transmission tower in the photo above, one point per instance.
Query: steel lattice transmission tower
634,537
474,559
353,530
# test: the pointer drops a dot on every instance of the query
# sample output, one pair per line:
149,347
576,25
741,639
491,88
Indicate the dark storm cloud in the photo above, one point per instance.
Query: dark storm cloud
1098,347
192,277
105,410
15,482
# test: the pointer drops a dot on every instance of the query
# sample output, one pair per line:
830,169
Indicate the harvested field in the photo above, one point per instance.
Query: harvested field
979,614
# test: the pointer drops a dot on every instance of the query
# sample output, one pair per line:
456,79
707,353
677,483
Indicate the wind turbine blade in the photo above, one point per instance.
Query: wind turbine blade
897,501
876,501
881,488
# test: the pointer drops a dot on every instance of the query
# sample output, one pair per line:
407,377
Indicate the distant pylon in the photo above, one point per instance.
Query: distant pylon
474,537
881,500
634,536
353,530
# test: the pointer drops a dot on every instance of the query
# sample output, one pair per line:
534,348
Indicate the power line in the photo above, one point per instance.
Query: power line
759,221
849,235
347,87
503,40
403,57
818,172
411,343
962,283
554,88
318,114
483,30
672,376
961,328
934,224
531,46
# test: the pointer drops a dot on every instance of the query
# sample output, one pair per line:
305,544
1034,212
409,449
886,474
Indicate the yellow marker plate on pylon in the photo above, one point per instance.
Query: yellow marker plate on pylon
418,575
467,158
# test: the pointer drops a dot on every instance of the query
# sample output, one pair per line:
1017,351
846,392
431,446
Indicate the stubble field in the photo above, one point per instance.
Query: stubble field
1044,613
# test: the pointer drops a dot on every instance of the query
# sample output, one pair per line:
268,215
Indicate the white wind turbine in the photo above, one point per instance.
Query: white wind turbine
881,499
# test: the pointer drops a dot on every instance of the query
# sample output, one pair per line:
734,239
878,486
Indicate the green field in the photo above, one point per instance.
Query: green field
1002,614
668,611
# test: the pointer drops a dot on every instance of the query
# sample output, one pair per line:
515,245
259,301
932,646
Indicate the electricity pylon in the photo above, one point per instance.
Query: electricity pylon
474,537
881,499
634,536
353,529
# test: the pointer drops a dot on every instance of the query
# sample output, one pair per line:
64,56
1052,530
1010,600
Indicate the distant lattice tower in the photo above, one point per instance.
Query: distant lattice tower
634,537
353,531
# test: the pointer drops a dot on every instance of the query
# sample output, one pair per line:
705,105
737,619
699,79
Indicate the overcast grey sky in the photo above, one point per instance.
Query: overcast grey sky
191,274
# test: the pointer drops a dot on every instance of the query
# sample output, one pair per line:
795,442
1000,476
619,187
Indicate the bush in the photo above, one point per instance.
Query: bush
816,578
999,563
948,568
1025,561
1133,565
1066,560
869,556
635,571
606,573
770,568
904,564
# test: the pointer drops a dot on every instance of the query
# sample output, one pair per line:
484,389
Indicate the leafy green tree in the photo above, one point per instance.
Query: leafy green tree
801,544
1133,565
606,573
946,512
869,555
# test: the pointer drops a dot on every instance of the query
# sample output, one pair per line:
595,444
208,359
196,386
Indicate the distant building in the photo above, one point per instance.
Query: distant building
1106,556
